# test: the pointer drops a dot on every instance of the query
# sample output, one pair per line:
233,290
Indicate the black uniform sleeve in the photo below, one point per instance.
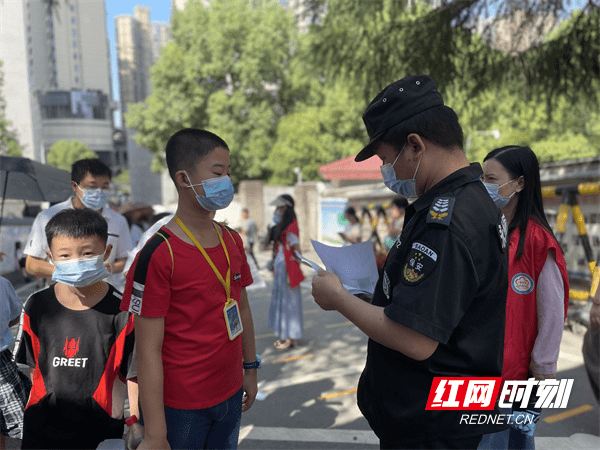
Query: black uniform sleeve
435,284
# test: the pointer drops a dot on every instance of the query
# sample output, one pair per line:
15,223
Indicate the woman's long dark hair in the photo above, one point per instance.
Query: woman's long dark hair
288,217
522,162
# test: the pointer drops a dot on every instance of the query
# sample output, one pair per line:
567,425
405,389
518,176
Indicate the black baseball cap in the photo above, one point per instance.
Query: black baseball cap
398,102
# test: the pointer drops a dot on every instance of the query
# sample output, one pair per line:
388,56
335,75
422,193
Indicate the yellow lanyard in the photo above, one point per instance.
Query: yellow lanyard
227,282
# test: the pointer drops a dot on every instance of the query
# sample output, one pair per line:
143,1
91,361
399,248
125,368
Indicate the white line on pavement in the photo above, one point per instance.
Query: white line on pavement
363,437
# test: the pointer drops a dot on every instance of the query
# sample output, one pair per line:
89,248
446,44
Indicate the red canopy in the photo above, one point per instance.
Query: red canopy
348,169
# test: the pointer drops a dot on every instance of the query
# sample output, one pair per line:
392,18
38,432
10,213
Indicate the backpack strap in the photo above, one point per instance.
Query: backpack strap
170,251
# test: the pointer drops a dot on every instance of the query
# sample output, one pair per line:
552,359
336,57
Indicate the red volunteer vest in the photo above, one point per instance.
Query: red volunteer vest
521,311
291,266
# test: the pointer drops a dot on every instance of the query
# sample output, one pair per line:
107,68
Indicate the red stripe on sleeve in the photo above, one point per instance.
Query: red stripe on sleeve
104,392
38,389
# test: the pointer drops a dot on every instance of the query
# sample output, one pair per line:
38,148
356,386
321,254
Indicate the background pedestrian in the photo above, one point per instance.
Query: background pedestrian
14,391
285,311
250,232
352,233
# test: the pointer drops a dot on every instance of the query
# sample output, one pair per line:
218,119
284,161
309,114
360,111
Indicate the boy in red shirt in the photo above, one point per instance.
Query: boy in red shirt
196,369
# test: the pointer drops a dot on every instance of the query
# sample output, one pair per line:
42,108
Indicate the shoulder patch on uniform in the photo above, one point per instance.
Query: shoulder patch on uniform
522,283
419,263
440,212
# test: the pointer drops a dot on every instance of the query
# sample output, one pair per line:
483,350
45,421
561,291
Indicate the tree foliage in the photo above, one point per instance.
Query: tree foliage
9,144
64,153
439,43
281,99
224,71
314,135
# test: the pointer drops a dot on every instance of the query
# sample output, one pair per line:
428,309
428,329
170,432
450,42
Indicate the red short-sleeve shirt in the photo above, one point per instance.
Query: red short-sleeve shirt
171,278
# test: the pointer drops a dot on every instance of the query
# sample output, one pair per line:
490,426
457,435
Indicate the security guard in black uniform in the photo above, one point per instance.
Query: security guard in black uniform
439,306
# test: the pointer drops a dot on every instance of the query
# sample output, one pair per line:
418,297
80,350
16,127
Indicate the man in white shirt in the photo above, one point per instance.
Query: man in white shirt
90,179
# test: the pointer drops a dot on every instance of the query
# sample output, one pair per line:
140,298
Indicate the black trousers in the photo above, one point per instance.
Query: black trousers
250,251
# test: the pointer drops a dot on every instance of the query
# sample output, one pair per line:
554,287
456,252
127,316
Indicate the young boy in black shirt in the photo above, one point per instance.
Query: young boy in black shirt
77,342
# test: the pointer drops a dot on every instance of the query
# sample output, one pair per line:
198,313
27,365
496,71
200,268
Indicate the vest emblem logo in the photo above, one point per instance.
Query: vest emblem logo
522,283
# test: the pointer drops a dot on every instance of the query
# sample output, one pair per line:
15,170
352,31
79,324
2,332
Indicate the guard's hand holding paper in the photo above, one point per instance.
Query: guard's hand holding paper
326,287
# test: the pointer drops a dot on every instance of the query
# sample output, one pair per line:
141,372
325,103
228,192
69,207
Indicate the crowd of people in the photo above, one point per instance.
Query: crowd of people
474,285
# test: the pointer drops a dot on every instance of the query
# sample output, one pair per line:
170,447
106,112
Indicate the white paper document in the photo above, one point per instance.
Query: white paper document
354,264
308,262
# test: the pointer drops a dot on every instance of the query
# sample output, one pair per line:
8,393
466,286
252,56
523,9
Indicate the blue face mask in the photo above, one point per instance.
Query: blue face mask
80,272
277,215
492,189
94,198
407,188
219,192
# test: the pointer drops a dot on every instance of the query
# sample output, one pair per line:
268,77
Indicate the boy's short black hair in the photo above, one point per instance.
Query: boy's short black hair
188,146
77,223
93,166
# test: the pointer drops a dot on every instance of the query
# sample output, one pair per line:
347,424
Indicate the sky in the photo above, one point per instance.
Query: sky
160,11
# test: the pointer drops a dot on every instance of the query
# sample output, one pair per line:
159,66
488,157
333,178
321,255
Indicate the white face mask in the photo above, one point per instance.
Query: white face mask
493,189
406,188
219,192
94,198
80,272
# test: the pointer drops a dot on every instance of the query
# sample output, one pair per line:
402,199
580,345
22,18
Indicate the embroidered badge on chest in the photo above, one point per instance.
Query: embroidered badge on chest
440,212
522,283
419,263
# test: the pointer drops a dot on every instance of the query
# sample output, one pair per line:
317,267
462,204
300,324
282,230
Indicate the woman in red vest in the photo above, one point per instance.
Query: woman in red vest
538,287
285,312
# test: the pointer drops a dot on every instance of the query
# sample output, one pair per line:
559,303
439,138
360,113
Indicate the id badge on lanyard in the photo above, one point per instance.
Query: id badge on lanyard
233,321
231,310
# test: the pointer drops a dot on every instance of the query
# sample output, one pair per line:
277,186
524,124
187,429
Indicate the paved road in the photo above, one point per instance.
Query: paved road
307,394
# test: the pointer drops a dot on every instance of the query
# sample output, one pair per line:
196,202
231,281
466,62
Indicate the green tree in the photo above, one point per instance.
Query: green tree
64,153
9,144
314,135
571,131
391,40
223,71
372,44
123,181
